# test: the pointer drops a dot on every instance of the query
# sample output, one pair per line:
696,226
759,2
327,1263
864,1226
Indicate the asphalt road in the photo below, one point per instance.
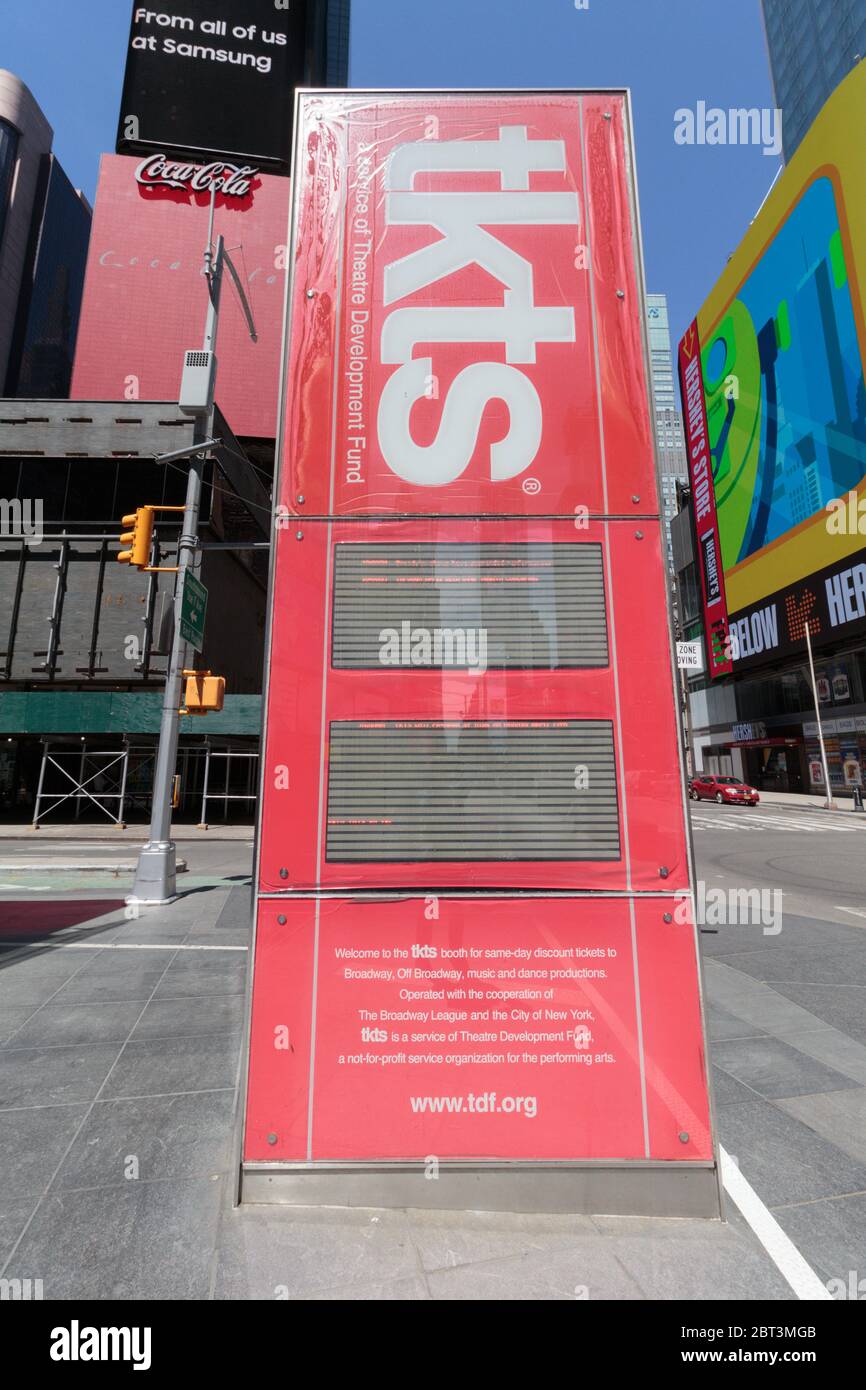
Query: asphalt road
817,860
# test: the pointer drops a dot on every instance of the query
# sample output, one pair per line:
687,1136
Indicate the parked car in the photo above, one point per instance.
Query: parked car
707,787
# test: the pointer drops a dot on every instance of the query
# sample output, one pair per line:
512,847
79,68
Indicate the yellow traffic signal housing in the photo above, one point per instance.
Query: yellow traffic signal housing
205,694
139,539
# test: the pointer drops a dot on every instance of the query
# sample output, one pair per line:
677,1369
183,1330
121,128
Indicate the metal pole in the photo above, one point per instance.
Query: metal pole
36,808
829,802
156,875
155,878
203,822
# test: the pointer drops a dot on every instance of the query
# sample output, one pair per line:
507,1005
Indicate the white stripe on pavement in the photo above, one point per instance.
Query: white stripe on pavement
780,1248
131,946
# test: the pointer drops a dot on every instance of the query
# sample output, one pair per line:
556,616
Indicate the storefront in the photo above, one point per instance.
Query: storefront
772,764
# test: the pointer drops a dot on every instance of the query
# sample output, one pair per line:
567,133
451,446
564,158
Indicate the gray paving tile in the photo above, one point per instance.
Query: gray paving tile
841,1006
166,1066
141,1241
167,1136
143,932
693,1260
796,931
784,1160
177,1018
446,1239
727,1090
60,1023
773,1068
236,912
757,1004
28,983
831,1235
32,1143
803,964
204,973
53,1075
114,976
834,1049
585,1270
14,1212
272,1252
396,1291
12,1016
723,1024
839,1117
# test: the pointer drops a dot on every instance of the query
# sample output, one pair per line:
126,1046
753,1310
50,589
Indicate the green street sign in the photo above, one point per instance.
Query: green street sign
193,611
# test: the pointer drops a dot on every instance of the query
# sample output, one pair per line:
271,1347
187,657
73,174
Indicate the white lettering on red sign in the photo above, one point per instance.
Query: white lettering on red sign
519,324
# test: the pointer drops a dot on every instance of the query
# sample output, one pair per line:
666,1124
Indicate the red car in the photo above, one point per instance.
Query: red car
728,790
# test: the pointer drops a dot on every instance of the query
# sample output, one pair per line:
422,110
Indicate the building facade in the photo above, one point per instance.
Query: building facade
770,544
44,232
812,46
670,443
83,640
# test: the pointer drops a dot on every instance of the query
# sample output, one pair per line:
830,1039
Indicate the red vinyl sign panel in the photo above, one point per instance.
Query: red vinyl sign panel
465,315
506,1028
472,940
536,747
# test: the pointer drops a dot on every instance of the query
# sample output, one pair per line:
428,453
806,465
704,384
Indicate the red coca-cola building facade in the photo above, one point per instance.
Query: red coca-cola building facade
144,299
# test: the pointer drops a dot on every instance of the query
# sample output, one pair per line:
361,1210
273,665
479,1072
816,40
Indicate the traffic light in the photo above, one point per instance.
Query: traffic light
139,539
205,694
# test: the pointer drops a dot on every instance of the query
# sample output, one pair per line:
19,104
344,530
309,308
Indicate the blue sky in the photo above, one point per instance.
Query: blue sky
696,201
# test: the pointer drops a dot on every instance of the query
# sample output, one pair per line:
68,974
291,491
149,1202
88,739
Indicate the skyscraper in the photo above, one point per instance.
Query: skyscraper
670,441
812,45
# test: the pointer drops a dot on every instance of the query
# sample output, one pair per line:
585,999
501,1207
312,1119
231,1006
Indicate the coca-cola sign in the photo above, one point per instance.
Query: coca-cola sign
232,180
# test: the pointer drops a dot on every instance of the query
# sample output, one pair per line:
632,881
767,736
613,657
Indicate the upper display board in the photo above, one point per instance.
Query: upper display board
465,317
215,79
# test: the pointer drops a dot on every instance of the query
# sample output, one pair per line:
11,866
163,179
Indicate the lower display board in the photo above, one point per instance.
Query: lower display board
516,1029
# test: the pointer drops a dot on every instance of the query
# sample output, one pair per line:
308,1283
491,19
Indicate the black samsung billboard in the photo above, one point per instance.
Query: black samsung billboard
214,78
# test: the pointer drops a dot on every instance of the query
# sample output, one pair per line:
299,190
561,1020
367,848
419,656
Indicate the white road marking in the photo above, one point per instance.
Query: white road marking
852,910
780,1248
22,888
705,822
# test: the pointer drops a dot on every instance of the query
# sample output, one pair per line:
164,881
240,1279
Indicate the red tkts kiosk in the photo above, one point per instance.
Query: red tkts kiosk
475,978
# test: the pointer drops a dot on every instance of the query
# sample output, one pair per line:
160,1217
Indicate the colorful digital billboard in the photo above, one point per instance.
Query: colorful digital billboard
782,343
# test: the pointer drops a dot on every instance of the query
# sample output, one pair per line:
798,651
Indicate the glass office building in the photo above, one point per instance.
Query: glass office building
43,346
670,442
812,44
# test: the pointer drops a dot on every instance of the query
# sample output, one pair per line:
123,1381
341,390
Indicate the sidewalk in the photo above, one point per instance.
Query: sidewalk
134,834
119,1062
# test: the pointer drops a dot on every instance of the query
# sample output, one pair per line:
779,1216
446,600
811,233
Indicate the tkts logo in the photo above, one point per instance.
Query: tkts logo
232,180
463,220
467,262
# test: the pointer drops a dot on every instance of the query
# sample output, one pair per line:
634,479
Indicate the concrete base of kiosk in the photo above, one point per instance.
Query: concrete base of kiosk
634,1189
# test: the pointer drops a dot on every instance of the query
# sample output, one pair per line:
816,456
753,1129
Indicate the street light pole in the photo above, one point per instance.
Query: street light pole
156,875
829,802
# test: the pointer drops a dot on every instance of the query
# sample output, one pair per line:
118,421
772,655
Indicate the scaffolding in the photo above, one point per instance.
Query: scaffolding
248,777
85,775
105,778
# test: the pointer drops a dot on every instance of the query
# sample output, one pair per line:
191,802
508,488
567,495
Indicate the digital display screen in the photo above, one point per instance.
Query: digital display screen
469,606
426,790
